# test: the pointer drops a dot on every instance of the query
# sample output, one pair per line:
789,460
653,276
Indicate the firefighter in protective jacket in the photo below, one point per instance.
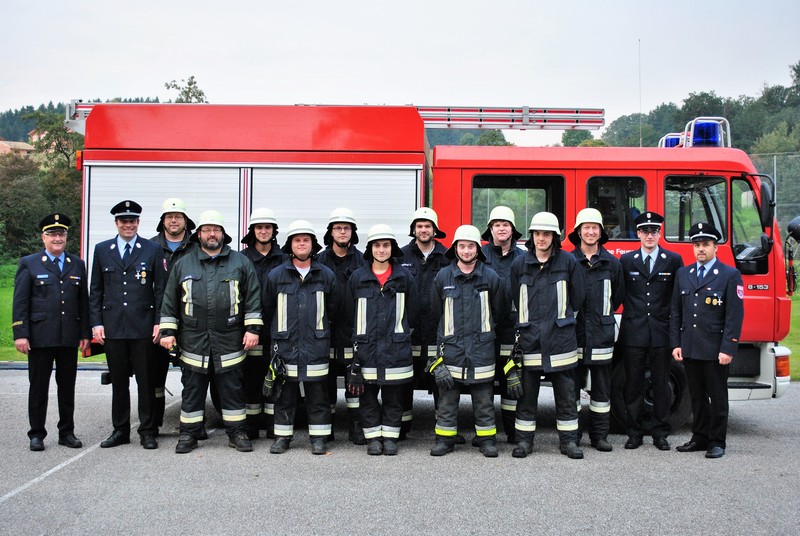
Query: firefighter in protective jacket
467,300
379,299
548,288
605,292
212,309
297,302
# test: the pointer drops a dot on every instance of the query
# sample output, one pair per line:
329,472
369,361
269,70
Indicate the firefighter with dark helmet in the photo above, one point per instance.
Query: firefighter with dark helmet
212,310
174,229
547,288
297,306
423,257
467,299
380,298
605,292
341,256
263,251
500,251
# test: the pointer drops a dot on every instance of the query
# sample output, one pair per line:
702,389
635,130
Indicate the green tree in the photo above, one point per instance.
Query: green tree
492,137
573,138
22,205
56,144
188,90
593,143
780,140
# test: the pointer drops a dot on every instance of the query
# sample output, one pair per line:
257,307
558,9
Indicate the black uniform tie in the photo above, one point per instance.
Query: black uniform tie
647,264
127,254
700,273
57,260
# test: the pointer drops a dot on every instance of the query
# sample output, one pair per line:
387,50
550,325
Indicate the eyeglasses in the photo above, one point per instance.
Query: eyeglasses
55,233
340,229
647,232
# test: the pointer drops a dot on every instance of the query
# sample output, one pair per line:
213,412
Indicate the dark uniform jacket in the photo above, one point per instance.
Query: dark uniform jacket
263,265
707,318
382,319
605,292
125,298
343,268
547,297
208,305
502,265
466,307
298,311
648,298
51,309
424,271
172,256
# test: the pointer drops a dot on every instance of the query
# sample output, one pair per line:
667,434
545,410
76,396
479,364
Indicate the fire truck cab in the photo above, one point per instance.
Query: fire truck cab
689,183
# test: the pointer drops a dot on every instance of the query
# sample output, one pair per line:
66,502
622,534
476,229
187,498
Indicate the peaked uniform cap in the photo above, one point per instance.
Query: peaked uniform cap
53,222
704,231
126,209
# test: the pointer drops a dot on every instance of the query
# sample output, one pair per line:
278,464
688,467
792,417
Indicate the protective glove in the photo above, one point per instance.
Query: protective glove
355,380
444,380
273,381
514,383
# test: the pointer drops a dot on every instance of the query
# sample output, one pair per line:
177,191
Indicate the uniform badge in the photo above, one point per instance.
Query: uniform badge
740,291
714,301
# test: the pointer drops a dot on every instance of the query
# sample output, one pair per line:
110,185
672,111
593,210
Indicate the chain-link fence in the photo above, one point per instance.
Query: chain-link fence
784,168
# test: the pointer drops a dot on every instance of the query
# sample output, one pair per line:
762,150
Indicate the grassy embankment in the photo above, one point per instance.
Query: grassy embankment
9,353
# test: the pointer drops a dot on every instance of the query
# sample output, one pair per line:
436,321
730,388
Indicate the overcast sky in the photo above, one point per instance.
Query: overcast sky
434,52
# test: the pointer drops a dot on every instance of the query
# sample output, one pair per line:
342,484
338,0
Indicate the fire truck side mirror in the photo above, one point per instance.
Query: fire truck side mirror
794,229
767,207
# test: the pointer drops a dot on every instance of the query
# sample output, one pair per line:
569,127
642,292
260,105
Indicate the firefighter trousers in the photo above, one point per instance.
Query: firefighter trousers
600,399
318,409
482,409
566,405
195,389
381,419
338,367
255,368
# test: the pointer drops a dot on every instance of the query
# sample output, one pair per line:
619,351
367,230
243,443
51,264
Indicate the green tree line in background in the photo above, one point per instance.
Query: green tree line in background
767,127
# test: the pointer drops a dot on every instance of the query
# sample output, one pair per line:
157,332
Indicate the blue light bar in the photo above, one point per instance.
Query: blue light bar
707,134
672,141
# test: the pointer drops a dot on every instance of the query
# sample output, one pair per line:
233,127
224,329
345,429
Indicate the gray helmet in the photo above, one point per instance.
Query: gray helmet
501,213
341,215
468,233
544,221
301,227
211,217
260,215
174,204
588,215
381,231
425,213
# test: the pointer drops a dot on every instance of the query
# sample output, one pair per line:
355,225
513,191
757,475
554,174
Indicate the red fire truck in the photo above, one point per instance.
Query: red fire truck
303,161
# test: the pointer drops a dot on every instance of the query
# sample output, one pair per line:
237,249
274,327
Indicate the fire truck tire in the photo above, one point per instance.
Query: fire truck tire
680,402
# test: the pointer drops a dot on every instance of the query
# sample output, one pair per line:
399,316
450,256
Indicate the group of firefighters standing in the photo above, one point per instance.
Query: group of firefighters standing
271,329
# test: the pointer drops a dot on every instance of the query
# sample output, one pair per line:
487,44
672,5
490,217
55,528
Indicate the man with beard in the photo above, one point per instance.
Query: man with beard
51,320
548,288
605,291
468,298
379,299
128,277
212,308
297,302
174,229
423,257
343,258
650,273
500,252
263,251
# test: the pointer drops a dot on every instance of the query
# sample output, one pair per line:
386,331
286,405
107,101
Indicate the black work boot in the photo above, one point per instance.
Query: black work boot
240,442
356,433
375,447
522,449
319,445
571,450
602,444
489,448
389,447
280,445
442,447
186,443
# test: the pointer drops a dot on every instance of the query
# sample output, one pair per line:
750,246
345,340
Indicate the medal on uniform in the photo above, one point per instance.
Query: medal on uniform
708,301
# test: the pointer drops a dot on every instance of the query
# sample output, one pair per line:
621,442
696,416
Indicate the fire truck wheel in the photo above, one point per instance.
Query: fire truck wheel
680,403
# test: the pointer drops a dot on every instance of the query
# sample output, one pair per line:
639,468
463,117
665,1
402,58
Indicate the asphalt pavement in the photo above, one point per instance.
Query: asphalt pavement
217,490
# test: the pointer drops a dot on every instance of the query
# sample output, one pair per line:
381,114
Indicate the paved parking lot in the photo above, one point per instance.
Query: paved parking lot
216,490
